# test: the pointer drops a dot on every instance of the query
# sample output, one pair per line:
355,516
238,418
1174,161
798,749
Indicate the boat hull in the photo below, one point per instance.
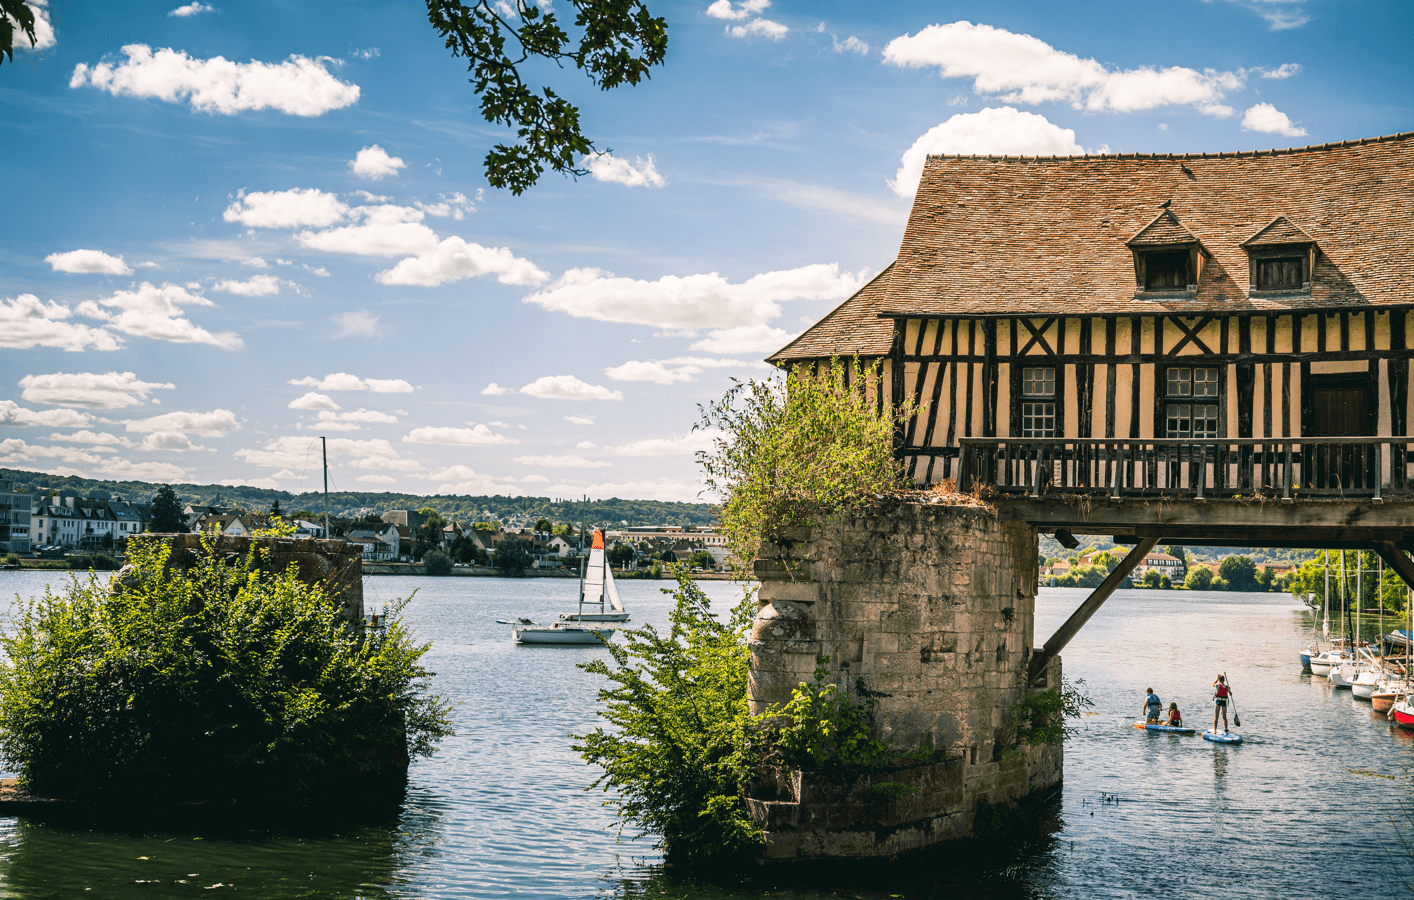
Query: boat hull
1305,660
1171,729
1403,715
1339,677
1363,690
1383,702
563,636
1222,737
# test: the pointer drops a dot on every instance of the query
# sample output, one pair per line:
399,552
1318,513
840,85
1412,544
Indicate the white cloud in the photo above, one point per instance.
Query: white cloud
850,44
216,423
375,163
299,86
652,370
297,453
14,451
1265,117
580,420
343,381
312,400
1280,14
495,390
673,446
694,301
191,9
351,420
991,132
744,339
762,27
725,9
26,321
562,462
455,206
156,313
454,259
88,261
89,390
168,440
376,479
100,439
254,286
586,445
1024,69
476,436
11,413
255,262
143,471
299,207
639,173
567,387
464,480
44,36
385,230
358,323
1285,70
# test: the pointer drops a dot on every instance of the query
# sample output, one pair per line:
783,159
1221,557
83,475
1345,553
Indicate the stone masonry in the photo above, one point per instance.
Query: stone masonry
932,606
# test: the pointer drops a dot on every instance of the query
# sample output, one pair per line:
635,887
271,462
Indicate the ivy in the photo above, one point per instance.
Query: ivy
1038,718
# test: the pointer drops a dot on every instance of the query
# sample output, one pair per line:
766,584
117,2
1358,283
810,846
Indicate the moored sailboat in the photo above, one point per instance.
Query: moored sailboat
597,588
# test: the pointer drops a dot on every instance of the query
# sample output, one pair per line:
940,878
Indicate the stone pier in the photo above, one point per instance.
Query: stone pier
933,606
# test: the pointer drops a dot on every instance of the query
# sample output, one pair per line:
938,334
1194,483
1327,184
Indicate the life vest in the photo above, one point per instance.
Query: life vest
1221,691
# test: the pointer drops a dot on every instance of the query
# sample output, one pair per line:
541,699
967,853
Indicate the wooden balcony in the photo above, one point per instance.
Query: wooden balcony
1284,468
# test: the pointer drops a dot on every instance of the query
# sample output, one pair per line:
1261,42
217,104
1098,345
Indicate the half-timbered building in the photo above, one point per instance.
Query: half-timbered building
1197,327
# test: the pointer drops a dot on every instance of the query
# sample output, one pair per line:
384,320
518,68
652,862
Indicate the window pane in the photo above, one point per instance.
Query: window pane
1205,382
1275,274
1038,420
1166,271
1038,382
1180,382
1205,421
1180,420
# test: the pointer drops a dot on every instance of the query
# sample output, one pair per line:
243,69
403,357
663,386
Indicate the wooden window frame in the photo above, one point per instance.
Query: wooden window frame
1163,398
1307,255
1196,256
1019,399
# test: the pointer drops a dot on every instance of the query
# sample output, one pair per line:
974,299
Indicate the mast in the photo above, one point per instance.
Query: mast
1359,591
1326,602
324,448
1380,602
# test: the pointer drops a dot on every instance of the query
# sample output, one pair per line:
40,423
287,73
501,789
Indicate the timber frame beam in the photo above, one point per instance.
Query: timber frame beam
1041,658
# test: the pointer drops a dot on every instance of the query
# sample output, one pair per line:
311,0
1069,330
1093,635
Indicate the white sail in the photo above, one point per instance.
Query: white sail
612,589
594,573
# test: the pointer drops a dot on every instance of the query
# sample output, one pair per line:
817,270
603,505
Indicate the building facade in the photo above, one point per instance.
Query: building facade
1218,323
15,520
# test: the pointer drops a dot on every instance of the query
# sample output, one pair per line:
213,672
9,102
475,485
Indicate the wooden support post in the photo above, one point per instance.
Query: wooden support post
1041,658
1397,560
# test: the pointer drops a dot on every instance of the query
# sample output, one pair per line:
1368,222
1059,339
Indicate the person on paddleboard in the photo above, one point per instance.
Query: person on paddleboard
1153,706
1221,694
1175,717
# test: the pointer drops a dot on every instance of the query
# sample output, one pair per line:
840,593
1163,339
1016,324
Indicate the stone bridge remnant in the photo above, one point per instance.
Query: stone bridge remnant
933,606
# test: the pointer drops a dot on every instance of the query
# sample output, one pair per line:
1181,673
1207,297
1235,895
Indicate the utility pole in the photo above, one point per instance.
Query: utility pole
324,448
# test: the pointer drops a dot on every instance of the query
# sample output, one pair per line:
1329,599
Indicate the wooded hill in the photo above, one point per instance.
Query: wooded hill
350,503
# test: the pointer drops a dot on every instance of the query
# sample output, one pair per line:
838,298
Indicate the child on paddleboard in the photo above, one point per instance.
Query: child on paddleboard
1153,706
1175,717
1221,694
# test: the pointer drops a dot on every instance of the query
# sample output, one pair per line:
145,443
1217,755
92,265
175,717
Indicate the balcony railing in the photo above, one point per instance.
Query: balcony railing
1372,467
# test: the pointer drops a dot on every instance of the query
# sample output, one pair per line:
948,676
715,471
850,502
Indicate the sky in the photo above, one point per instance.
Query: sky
229,230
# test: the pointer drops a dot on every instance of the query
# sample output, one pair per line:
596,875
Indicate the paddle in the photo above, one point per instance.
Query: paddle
1236,719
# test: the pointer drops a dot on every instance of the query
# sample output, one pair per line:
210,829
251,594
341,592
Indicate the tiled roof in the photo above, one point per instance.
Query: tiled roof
1281,231
996,236
1165,229
853,327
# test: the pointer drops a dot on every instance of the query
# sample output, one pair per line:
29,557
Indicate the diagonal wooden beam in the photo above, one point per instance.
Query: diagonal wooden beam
1191,334
1041,658
1397,559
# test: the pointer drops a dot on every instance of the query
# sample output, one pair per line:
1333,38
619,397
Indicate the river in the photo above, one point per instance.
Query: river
1316,801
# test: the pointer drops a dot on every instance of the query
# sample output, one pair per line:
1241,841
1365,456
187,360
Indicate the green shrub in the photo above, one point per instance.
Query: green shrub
224,681
435,562
789,451
101,562
677,754
11,559
821,728
1038,717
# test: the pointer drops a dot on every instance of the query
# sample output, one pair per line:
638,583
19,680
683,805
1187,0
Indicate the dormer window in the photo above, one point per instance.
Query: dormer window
1280,258
1168,259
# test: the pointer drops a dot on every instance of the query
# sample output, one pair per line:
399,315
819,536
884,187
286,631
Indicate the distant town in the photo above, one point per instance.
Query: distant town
62,524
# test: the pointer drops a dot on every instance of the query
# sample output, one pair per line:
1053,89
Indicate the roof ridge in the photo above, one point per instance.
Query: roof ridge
1222,154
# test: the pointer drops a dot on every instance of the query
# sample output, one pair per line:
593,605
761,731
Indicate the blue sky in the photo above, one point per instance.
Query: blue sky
231,229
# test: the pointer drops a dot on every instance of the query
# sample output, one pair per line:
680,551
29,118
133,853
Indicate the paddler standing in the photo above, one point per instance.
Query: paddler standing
1221,694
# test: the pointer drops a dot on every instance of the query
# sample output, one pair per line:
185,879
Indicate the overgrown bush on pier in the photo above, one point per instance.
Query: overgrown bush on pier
225,680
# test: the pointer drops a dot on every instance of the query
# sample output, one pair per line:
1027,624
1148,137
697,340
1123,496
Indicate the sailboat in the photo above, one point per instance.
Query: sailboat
597,588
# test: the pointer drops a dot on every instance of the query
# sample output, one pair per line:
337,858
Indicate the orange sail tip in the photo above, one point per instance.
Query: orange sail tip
598,540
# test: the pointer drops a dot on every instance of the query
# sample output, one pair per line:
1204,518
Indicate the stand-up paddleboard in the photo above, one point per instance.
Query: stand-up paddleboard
1172,729
1222,737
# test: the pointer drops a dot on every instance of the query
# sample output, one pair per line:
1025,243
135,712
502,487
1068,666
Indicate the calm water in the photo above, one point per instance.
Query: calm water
1311,803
